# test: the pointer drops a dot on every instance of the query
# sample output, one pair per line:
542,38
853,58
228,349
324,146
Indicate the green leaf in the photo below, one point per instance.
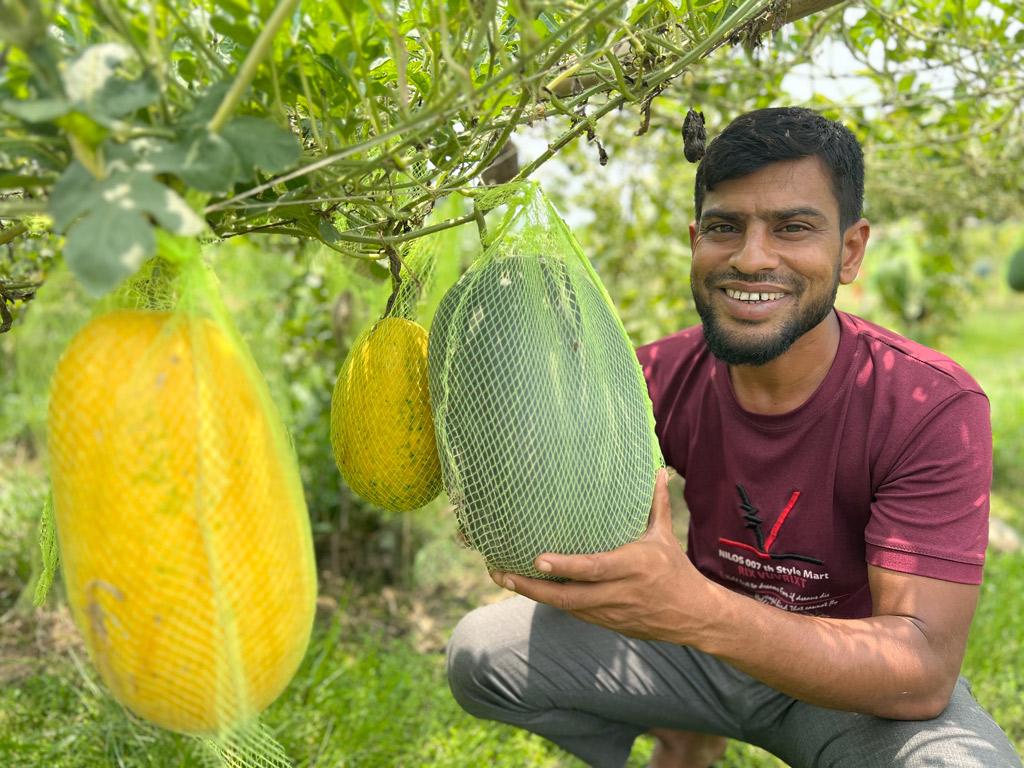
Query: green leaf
906,82
120,97
202,160
328,232
82,126
236,10
107,245
74,193
259,143
49,550
239,33
39,111
22,181
186,69
206,105
378,270
136,191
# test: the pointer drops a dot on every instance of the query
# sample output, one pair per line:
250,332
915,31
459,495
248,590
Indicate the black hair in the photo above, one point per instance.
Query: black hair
764,136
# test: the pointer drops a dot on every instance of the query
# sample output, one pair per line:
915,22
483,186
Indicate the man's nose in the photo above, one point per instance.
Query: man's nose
755,253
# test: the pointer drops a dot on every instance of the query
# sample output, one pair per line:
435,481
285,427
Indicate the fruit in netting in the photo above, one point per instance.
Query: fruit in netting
382,429
543,419
182,526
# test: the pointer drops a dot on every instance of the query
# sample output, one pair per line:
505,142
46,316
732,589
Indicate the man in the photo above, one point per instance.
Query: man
837,478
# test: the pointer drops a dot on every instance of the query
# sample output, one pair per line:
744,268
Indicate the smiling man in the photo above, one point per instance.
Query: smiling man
837,478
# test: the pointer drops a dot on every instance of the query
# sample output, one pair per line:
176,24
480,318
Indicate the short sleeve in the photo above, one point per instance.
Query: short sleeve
929,515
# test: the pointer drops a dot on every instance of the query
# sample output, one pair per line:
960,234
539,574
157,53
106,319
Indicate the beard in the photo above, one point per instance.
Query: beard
734,349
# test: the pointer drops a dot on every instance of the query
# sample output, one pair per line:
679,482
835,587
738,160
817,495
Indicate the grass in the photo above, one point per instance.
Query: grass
363,697
991,346
359,700
996,646
371,692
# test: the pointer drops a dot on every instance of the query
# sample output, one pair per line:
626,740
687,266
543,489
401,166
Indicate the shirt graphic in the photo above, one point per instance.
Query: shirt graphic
753,521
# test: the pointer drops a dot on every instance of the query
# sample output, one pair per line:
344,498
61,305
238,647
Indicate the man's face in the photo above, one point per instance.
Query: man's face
768,257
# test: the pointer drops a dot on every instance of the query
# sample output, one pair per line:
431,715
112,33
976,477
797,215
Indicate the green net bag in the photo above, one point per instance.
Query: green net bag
544,426
382,428
181,522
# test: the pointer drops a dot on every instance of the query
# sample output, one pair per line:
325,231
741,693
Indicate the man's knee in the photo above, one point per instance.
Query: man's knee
486,661
466,652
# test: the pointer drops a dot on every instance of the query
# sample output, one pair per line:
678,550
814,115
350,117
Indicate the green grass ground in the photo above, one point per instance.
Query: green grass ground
368,695
371,691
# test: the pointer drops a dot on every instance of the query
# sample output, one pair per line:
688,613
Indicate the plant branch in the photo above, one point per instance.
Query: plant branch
252,61
797,9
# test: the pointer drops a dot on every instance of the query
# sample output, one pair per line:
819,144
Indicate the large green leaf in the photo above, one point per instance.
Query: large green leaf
88,73
202,159
73,194
107,245
259,143
120,97
138,192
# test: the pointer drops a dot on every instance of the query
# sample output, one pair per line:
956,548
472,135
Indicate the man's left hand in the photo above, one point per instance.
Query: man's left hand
646,589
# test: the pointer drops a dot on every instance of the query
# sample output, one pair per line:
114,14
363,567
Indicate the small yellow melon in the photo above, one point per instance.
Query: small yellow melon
382,428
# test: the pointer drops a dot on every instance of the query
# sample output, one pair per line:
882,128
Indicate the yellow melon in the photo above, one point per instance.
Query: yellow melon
182,526
382,428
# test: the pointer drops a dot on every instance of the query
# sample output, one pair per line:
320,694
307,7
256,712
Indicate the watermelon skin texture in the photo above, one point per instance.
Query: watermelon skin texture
542,417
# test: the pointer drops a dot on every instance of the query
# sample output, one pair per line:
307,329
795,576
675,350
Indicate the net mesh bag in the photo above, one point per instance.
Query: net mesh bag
382,429
544,425
181,522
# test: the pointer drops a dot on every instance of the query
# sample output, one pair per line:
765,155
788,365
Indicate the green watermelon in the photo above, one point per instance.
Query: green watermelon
542,417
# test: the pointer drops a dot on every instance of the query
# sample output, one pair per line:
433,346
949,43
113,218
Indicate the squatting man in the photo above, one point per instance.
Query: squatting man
837,477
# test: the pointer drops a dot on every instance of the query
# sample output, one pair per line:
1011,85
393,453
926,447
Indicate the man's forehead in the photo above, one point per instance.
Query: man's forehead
781,186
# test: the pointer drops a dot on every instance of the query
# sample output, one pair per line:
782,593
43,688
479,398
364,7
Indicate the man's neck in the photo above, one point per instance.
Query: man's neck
789,380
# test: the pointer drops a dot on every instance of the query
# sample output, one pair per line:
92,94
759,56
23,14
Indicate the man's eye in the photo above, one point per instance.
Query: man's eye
720,228
793,228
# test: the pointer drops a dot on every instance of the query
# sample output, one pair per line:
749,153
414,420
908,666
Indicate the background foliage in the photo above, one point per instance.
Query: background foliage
308,145
344,123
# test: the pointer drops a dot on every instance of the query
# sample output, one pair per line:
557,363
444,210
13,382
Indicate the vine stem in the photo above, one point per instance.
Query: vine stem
718,36
445,110
252,62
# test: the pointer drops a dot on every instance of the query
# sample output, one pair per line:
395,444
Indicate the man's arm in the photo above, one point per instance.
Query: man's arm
900,663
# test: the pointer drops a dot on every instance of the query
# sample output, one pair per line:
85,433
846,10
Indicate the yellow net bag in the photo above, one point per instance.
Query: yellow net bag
180,517
382,428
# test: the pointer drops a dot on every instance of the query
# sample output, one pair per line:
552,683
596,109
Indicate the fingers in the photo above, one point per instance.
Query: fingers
617,563
598,567
565,596
586,571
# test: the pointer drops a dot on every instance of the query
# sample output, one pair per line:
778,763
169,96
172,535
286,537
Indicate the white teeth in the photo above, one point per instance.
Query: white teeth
744,296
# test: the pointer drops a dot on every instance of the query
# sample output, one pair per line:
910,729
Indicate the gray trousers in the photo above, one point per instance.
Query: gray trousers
592,692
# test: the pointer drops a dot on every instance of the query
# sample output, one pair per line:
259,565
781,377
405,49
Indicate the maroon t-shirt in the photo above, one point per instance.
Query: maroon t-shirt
888,463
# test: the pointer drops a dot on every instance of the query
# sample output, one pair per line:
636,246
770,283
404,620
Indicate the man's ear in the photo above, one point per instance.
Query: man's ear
693,234
855,241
